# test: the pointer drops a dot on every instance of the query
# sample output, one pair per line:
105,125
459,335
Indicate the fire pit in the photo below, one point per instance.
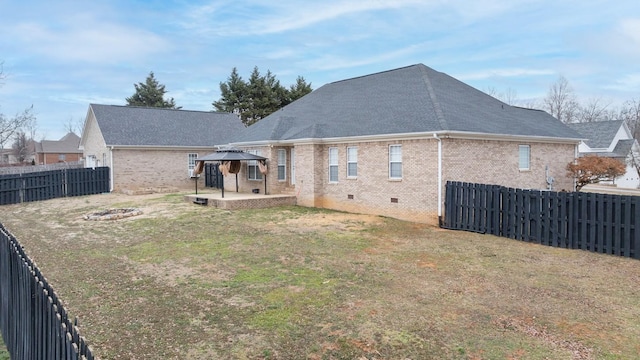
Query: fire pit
113,214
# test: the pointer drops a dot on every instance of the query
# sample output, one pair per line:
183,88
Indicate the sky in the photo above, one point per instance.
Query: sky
60,56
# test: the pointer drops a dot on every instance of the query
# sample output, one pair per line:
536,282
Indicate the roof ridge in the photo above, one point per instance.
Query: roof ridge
434,100
159,108
376,73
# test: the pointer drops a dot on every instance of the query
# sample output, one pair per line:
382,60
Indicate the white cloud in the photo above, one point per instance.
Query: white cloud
629,31
94,43
506,72
282,16
629,82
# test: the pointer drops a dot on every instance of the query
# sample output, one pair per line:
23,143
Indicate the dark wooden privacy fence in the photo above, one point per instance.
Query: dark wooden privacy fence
33,322
595,222
44,185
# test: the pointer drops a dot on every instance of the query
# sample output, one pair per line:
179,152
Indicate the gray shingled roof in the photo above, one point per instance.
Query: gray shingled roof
139,126
599,134
68,144
405,100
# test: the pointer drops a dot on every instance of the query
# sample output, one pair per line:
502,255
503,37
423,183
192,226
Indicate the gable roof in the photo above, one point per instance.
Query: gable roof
624,147
142,126
68,144
598,134
412,99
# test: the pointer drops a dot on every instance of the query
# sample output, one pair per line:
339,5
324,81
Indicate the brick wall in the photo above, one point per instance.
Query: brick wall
55,158
496,162
415,196
153,169
371,192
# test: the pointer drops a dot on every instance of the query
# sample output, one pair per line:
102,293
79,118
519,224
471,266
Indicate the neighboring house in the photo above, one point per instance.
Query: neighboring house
387,143
8,156
612,139
152,148
56,151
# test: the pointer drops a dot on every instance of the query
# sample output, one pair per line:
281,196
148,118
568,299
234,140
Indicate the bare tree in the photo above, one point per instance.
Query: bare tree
74,126
23,146
10,126
510,96
594,110
561,101
630,113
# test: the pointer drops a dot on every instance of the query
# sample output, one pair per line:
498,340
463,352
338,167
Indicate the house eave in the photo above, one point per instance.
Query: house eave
412,136
159,147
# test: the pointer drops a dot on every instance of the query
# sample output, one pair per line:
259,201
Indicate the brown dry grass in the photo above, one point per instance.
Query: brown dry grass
183,281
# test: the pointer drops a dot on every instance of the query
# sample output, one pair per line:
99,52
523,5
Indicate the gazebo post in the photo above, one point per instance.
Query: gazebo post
222,177
236,182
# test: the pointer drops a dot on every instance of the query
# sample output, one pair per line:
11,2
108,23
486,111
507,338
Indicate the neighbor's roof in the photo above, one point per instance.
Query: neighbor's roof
622,149
140,126
68,144
599,134
413,99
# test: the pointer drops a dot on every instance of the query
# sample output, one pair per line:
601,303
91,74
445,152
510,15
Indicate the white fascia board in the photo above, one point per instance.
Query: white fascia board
165,148
413,136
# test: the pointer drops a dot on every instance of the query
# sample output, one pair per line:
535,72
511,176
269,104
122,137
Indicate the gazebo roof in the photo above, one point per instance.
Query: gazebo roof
230,155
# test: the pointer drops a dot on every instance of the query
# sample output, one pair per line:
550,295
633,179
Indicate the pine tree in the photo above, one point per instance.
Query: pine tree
258,97
150,94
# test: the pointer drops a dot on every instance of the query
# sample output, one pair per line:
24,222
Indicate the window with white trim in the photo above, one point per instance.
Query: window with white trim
352,162
191,163
253,171
333,164
524,157
282,164
395,162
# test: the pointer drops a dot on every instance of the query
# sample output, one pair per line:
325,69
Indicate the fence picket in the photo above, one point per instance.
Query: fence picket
588,221
51,184
32,319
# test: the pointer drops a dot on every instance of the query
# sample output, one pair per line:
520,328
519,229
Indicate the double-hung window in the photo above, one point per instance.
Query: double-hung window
352,162
333,164
395,162
524,157
253,171
191,158
282,164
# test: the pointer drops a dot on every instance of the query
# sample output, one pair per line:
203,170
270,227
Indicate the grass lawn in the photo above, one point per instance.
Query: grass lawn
184,281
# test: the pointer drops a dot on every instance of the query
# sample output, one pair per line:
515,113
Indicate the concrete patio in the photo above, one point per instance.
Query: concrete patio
234,200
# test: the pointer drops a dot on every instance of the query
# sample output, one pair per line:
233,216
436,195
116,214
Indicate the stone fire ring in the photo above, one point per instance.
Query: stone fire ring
113,214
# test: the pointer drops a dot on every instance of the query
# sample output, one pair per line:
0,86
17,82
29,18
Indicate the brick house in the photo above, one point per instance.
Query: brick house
59,151
152,148
612,139
386,144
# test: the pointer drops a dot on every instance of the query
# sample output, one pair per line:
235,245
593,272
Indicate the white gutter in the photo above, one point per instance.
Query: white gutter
439,175
412,136
111,168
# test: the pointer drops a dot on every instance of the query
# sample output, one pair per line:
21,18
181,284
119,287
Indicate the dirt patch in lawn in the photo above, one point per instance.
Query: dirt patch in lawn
291,282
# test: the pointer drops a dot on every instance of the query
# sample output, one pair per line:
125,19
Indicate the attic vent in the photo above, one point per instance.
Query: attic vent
394,200
350,197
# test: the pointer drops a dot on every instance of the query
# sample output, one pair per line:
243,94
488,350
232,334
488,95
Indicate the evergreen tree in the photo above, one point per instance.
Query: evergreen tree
298,90
150,94
233,95
258,97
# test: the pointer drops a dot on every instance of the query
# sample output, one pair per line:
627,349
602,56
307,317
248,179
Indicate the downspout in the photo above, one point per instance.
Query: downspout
111,168
439,177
